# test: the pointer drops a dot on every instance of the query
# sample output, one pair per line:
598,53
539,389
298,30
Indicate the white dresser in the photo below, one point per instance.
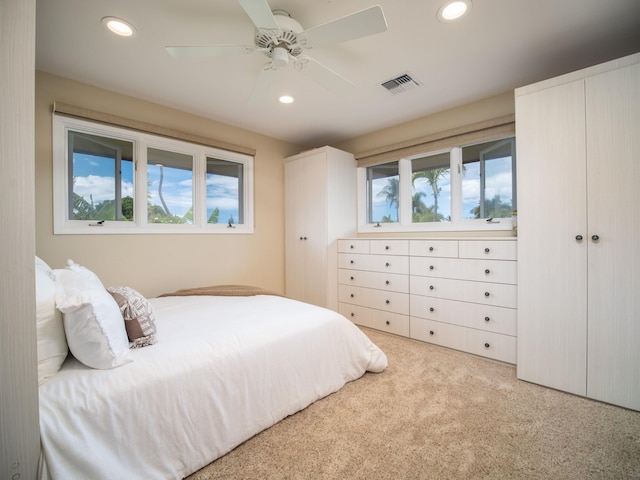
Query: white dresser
458,293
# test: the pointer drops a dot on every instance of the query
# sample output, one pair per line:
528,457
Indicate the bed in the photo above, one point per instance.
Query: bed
214,370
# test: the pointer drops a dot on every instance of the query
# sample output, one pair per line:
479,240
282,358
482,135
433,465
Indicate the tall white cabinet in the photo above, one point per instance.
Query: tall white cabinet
320,206
578,143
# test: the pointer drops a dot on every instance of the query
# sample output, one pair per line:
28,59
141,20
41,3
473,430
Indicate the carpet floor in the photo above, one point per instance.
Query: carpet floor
435,413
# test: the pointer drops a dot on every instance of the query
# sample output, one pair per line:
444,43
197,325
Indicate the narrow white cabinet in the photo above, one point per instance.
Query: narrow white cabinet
578,260
320,206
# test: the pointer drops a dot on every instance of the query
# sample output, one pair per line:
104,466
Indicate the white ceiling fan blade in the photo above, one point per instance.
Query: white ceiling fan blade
357,25
208,51
263,84
324,76
260,14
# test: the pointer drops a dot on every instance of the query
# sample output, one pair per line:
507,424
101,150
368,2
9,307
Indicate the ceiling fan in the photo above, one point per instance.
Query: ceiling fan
282,39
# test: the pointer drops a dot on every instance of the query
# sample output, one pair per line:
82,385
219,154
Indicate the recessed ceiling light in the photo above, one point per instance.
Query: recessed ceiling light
286,99
452,11
119,26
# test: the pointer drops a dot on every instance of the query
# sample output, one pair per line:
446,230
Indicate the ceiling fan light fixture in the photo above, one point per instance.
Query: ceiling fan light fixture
280,57
453,10
118,26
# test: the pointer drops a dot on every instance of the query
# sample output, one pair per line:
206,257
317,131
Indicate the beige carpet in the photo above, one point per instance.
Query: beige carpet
440,414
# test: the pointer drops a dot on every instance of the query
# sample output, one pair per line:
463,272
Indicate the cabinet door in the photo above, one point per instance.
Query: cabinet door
306,217
552,276
613,146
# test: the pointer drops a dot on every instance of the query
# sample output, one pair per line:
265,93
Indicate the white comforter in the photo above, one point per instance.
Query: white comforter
224,369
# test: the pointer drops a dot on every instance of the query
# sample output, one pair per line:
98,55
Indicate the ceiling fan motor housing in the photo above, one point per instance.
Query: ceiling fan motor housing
286,38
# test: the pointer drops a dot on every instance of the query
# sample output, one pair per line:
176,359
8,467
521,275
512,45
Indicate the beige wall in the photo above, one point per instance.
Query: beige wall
486,109
154,264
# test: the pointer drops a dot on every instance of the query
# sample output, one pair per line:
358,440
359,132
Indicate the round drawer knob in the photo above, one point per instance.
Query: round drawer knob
353,314
431,309
352,295
486,319
431,267
388,282
351,278
352,262
579,238
352,246
486,294
387,302
431,332
387,264
486,345
595,238
431,287
487,250
387,247
487,271
388,322
431,249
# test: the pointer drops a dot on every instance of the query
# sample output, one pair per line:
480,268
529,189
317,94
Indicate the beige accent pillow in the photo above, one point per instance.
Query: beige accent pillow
139,319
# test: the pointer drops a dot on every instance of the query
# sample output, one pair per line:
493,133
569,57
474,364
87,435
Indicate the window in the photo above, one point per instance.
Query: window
113,180
469,187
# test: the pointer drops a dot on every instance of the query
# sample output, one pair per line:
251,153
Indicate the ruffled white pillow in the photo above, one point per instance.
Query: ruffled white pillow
92,321
52,343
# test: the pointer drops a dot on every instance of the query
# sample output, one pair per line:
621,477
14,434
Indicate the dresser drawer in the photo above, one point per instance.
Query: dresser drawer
498,294
353,245
389,247
489,249
380,320
486,344
379,299
473,315
374,263
495,271
395,282
433,248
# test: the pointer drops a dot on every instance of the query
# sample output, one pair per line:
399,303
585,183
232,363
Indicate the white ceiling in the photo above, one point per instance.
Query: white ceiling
499,45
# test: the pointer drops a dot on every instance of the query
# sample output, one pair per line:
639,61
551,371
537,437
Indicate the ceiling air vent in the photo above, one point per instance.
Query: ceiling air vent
401,84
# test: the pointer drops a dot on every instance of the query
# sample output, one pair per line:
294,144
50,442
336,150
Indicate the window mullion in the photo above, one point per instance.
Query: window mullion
140,184
456,184
404,169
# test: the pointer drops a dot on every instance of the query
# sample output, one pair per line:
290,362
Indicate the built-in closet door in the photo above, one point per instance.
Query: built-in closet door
552,237
613,152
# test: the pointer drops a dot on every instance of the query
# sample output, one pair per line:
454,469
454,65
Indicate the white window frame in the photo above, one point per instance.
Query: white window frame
404,223
63,225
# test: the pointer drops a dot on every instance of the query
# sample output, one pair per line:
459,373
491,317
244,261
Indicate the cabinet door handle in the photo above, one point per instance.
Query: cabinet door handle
579,238
595,238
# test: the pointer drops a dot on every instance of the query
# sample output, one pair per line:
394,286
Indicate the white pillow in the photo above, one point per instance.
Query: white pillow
92,321
52,343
